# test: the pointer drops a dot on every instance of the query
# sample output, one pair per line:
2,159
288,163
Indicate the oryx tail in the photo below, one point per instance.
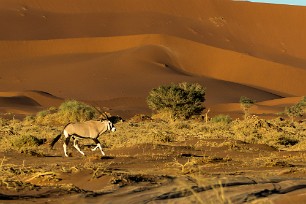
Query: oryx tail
57,138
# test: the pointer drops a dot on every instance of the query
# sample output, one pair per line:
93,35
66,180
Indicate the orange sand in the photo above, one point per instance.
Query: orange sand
101,51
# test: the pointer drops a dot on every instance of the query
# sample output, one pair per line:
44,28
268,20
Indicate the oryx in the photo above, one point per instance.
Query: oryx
89,129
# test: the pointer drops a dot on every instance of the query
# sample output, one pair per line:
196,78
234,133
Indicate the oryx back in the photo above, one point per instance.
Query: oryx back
90,129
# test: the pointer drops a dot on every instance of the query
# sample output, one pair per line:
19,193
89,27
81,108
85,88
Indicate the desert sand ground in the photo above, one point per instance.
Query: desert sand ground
112,53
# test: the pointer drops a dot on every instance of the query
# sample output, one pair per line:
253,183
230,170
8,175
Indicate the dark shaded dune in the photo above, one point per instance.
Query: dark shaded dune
283,102
31,98
26,102
43,98
17,101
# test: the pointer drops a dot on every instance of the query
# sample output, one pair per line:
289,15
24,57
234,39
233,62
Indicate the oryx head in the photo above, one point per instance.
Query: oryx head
105,117
110,126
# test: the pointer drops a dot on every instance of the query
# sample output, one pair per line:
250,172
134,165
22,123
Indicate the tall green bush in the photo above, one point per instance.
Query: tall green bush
76,111
68,112
296,110
246,103
182,100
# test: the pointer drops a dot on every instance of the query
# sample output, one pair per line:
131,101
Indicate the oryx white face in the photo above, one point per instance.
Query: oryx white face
111,127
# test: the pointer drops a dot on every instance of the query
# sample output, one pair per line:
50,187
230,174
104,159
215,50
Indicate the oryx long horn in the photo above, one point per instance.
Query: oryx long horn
101,113
105,115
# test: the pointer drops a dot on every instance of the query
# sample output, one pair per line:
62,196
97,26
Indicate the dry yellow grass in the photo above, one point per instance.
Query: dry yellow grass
144,149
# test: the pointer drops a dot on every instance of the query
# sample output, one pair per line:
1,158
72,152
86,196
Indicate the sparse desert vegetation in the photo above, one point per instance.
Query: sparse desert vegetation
179,148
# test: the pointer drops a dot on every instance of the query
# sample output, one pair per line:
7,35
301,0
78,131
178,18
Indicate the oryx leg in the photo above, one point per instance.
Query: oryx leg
66,142
76,145
98,146
95,148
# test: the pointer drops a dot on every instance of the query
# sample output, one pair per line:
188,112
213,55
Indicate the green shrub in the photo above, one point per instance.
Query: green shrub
182,100
246,103
296,110
221,119
182,125
75,111
3,122
21,141
69,111
287,141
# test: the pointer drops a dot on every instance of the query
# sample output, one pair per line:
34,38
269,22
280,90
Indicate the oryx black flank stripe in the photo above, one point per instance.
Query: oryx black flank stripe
79,136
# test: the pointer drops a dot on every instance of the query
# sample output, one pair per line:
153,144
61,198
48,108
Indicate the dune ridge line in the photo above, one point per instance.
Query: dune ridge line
192,57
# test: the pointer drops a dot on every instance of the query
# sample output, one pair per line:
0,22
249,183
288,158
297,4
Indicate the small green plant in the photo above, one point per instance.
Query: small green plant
3,122
221,119
296,110
26,140
24,143
182,100
287,141
246,103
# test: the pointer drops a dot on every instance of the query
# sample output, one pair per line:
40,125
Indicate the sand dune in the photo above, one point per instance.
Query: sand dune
26,102
103,51
185,55
273,32
113,73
